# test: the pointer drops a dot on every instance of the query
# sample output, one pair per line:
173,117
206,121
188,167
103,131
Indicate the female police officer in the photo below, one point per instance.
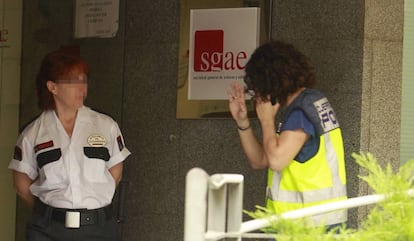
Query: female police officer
68,162
304,154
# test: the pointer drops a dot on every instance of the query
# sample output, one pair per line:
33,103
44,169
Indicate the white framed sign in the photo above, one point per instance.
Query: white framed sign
221,42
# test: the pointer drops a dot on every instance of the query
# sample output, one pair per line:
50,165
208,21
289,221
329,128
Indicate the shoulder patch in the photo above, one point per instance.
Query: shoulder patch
17,153
120,143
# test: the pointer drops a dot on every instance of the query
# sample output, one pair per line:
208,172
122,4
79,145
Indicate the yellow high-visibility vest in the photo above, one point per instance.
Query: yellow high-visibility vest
322,178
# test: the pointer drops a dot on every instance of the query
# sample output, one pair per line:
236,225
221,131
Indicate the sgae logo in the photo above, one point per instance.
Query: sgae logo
209,54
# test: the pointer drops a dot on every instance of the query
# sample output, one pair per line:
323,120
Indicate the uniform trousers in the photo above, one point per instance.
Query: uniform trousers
48,224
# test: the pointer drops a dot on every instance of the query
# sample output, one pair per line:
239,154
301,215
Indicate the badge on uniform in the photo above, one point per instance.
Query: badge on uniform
96,140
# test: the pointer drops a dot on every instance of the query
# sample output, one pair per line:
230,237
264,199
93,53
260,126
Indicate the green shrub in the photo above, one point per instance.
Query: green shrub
390,220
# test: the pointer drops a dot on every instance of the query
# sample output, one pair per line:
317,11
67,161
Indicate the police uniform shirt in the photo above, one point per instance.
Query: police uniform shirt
71,172
297,119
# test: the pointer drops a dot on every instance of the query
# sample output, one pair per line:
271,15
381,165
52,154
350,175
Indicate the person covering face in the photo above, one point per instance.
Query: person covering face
301,142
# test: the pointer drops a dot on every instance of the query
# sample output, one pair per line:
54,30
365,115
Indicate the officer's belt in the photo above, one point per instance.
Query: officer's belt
73,218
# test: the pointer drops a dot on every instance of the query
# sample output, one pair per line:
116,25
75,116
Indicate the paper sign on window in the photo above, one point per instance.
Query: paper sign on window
96,18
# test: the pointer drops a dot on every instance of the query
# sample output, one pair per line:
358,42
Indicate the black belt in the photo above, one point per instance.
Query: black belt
85,216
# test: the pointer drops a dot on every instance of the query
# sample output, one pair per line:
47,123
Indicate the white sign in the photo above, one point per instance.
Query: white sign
221,42
96,18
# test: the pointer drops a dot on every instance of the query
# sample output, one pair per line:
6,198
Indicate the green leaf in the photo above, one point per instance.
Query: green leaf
391,220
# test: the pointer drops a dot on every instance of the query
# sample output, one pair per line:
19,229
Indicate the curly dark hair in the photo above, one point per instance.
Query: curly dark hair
278,69
56,65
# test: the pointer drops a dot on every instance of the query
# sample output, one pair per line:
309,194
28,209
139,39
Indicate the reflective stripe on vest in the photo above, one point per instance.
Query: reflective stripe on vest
290,189
322,219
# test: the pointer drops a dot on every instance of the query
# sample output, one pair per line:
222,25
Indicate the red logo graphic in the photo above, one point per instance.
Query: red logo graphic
209,54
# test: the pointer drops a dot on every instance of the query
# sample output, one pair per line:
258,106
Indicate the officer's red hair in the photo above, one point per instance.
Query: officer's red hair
55,66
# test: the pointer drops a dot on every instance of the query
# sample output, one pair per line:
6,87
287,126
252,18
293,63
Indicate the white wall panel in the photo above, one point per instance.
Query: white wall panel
407,104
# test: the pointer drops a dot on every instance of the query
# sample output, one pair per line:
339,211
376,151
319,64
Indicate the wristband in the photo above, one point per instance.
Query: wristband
243,128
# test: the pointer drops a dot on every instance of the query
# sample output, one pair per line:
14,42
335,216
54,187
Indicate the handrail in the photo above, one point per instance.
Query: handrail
261,223
213,208
216,181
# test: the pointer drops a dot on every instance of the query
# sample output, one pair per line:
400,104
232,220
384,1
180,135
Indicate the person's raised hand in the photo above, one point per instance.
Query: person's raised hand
265,110
237,104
